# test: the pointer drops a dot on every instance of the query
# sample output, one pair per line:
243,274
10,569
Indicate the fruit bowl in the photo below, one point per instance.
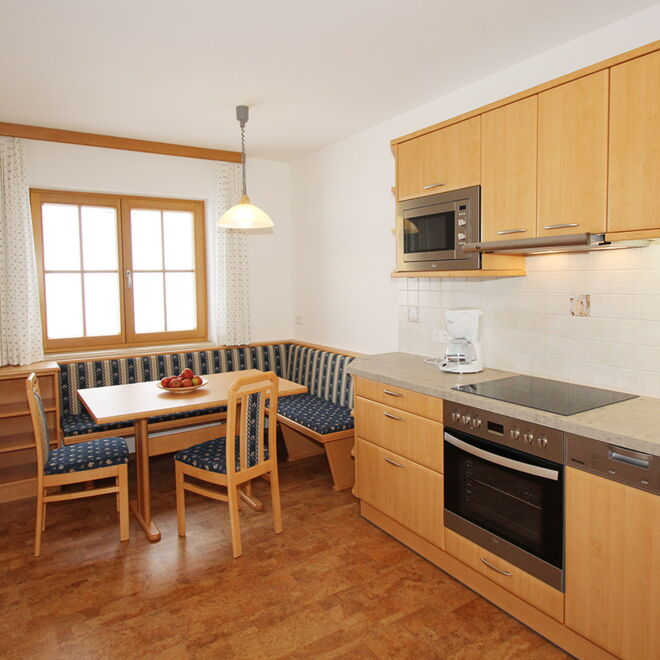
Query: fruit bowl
182,390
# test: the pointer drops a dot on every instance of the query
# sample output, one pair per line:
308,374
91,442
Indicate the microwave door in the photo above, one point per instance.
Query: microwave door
429,233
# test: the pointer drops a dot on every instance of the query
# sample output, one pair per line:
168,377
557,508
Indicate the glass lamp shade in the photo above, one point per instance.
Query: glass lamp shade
244,215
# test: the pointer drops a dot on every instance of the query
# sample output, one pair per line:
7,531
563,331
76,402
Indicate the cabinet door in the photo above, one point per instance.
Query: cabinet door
508,171
405,491
443,160
634,177
613,565
572,159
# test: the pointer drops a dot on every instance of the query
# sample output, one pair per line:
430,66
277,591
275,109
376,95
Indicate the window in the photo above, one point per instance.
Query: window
119,271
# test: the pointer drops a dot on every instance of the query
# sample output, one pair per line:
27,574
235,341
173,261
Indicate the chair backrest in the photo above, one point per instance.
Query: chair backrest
249,398
39,421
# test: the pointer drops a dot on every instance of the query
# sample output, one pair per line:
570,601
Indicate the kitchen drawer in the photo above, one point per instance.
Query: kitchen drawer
414,402
416,438
537,593
409,493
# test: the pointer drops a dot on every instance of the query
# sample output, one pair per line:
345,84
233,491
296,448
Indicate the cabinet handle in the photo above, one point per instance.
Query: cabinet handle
494,568
129,278
392,393
433,185
511,231
564,226
391,416
393,463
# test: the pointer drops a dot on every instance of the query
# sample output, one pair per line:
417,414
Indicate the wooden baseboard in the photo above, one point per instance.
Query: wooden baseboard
544,625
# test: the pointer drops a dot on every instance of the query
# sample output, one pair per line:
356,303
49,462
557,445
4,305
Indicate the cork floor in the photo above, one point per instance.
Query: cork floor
330,586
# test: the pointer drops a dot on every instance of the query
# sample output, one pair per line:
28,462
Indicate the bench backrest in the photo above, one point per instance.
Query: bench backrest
118,371
323,372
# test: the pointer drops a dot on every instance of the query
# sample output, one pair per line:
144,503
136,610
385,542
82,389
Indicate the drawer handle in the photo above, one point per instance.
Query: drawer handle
511,231
393,463
392,393
494,568
433,185
564,226
391,416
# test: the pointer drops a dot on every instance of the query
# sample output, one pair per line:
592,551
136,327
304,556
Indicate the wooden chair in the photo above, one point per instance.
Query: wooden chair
79,463
234,464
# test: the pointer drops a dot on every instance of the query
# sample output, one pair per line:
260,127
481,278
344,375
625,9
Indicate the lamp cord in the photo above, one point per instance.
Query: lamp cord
243,158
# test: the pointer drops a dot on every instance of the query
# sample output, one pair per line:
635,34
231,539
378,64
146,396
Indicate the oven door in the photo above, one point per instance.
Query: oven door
506,501
429,232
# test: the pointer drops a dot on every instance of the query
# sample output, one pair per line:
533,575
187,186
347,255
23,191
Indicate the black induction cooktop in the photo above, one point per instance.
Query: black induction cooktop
543,394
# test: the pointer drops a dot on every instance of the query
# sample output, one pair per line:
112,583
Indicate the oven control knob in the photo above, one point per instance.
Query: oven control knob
455,416
528,438
542,441
466,419
514,433
476,422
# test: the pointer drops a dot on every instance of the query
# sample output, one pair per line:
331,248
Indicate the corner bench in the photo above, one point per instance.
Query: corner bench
320,417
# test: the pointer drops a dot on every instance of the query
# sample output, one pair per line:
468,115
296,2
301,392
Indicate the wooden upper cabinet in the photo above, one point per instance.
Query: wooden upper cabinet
508,171
634,177
445,159
613,565
572,156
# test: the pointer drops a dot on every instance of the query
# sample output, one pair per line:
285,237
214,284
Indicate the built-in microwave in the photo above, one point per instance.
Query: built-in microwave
431,231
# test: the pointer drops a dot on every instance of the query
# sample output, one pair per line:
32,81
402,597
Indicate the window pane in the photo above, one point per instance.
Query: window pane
64,315
60,236
149,304
102,304
146,240
181,302
178,240
99,237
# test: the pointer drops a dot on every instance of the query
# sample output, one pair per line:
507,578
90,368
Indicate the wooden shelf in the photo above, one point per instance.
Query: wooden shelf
18,441
18,473
19,409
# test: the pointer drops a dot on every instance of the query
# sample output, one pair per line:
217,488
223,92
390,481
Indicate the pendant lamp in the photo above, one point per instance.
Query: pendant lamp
244,215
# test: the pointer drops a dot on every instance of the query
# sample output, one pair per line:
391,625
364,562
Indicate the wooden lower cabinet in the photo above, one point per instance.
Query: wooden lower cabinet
518,582
613,565
401,489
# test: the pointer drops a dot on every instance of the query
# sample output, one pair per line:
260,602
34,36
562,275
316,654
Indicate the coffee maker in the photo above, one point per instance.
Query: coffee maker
463,354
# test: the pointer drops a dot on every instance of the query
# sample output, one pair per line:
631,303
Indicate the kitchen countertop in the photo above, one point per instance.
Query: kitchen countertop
634,424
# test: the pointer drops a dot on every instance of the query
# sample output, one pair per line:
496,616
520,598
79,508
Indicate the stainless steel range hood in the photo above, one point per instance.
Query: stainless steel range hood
552,244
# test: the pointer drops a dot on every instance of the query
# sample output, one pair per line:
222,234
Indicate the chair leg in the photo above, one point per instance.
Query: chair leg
275,497
233,497
122,498
180,499
39,523
43,516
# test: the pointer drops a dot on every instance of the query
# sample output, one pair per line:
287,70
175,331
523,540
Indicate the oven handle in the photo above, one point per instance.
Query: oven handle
537,471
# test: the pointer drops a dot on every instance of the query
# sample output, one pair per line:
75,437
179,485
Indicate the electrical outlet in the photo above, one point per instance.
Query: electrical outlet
413,314
580,305
299,319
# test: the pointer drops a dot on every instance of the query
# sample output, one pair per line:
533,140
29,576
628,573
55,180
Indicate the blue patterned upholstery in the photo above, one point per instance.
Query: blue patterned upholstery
315,413
212,456
89,455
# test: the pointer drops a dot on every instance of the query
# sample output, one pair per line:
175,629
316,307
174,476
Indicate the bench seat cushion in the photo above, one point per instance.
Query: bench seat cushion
83,423
315,413
212,456
89,455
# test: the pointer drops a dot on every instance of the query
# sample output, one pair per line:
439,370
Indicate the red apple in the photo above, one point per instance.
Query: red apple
186,373
174,382
186,382
196,380
165,382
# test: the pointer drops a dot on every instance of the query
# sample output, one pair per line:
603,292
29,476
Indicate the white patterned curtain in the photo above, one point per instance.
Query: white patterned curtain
20,314
231,265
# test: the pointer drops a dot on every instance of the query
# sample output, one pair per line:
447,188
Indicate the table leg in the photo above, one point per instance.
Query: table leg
142,507
251,500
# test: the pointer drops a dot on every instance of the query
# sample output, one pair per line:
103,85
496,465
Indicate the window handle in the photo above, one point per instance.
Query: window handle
129,278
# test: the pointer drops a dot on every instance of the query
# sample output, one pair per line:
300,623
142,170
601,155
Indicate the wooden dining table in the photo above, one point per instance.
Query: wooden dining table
137,402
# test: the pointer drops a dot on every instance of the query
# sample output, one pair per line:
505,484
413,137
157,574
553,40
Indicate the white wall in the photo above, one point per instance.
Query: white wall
72,167
343,212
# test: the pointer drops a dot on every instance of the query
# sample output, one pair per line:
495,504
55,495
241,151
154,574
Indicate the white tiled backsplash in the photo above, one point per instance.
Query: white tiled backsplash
527,326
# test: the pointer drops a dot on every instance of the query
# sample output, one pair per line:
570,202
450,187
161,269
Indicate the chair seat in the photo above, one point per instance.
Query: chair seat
89,455
212,455
315,413
84,423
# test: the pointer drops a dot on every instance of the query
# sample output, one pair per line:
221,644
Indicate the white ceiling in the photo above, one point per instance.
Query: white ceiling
312,72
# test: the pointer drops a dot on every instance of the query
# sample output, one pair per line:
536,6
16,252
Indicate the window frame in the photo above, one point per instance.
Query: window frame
123,204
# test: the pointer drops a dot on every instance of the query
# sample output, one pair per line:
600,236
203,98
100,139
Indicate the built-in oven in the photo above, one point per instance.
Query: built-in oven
504,489
431,231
